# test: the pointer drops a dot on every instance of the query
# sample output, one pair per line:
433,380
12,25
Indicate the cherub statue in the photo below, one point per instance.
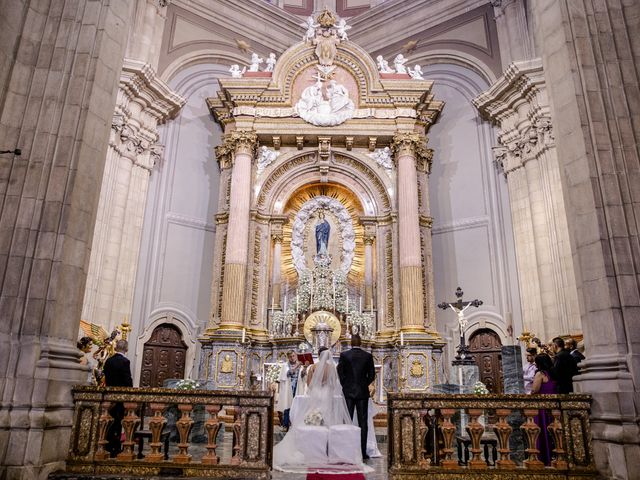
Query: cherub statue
265,158
271,62
236,72
382,156
399,62
416,73
255,62
311,26
342,28
383,65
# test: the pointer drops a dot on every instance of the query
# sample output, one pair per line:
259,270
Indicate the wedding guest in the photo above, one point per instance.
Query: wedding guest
117,373
529,369
564,367
543,383
85,344
572,347
288,383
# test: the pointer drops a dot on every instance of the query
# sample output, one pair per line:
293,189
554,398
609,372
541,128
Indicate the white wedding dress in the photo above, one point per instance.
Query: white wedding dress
322,437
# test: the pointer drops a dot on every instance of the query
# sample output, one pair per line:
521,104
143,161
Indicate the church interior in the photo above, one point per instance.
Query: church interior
221,183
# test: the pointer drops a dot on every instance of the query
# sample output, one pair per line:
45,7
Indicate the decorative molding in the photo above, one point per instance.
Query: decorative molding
414,144
345,227
238,141
464,224
185,221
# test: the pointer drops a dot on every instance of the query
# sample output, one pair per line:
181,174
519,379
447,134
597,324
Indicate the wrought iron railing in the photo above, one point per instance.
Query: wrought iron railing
251,427
481,436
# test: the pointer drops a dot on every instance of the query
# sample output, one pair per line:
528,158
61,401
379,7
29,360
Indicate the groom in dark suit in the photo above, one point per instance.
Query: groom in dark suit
356,372
117,373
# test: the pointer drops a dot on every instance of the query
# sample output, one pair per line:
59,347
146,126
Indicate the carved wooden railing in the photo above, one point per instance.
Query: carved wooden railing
252,432
427,434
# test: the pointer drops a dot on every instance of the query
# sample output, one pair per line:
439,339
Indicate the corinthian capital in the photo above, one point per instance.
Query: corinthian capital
414,144
238,141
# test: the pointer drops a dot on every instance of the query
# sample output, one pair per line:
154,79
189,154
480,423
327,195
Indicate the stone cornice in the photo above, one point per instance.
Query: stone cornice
521,82
517,102
140,83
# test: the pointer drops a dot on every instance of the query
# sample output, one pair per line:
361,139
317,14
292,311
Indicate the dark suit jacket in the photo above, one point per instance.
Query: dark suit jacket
117,371
356,372
577,356
564,368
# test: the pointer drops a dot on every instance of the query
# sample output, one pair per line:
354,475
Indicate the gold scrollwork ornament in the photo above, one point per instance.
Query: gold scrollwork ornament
417,369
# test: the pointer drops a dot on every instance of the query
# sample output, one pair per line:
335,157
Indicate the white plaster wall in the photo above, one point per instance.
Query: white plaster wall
176,258
472,233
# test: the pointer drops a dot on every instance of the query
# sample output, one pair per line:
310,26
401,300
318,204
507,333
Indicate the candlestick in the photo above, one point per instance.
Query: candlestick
402,338
360,309
297,301
334,294
347,302
244,332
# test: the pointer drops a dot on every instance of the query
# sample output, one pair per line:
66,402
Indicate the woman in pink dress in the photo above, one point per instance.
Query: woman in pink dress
544,384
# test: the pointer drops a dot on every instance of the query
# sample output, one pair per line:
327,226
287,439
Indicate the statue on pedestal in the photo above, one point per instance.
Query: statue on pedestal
323,229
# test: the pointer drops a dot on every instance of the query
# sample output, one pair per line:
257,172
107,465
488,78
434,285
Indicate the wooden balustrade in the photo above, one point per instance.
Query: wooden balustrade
249,455
503,425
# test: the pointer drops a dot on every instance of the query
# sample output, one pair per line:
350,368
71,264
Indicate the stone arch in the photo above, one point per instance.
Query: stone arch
349,56
208,56
346,170
457,58
182,323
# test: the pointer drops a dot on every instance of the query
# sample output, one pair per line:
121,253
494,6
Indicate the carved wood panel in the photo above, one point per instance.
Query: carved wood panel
163,356
486,348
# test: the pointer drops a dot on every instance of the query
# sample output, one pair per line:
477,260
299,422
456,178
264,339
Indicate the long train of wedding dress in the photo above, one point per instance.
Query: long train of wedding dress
325,408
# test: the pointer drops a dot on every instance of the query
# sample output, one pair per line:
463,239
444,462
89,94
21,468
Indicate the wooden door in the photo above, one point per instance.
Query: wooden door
163,356
485,347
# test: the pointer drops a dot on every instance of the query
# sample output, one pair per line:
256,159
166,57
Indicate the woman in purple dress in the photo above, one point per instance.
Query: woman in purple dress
544,384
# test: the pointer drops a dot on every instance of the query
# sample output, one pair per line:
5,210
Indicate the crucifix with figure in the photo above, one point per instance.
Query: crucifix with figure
462,357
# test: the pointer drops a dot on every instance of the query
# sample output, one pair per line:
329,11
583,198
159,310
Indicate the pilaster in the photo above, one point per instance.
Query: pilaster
527,155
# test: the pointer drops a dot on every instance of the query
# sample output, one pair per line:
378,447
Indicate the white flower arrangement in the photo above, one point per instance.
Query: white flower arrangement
314,417
480,388
187,384
361,323
272,373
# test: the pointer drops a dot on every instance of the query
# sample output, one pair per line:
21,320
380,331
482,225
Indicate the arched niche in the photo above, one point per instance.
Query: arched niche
346,170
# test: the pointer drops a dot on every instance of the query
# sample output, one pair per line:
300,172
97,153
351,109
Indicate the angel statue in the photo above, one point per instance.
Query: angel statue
236,72
342,29
271,62
416,73
399,62
383,65
311,26
255,62
382,156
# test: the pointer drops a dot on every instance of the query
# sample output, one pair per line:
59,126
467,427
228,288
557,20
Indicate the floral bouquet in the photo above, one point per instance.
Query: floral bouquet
314,417
480,388
187,384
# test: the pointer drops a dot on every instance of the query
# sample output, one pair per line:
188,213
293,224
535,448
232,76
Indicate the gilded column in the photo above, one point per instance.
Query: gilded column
276,236
240,145
409,149
368,270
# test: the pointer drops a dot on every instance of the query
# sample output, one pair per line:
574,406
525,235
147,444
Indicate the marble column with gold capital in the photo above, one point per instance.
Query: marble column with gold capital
410,151
239,146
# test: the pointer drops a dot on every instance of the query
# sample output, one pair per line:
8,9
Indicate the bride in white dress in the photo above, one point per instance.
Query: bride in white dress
304,447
